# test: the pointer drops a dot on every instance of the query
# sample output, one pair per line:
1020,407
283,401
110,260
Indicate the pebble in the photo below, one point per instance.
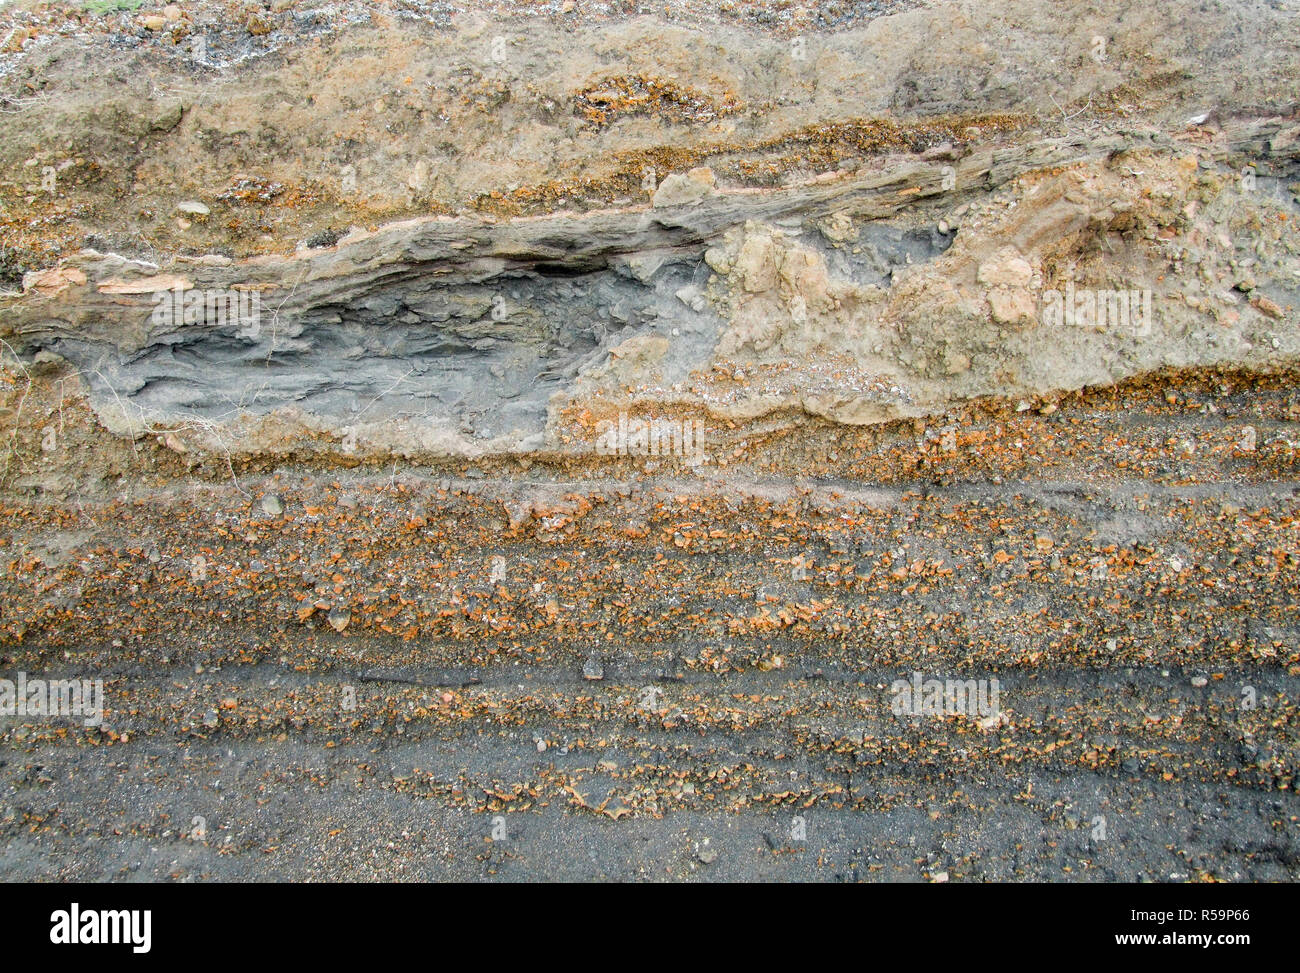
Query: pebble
339,618
593,669
192,207
272,505
1199,681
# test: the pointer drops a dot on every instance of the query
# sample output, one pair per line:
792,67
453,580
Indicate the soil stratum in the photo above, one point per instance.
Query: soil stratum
571,440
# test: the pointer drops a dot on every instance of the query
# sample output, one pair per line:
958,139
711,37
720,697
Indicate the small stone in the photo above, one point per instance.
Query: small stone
691,296
172,12
518,512
718,261
1007,269
339,618
192,207
708,856
1270,308
938,876
210,719
154,22
272,505
1200,681
593,669
1011,306
684,190
643,267
259,26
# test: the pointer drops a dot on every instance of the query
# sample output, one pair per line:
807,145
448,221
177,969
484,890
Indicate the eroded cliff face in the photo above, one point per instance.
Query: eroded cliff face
460,233
582,414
